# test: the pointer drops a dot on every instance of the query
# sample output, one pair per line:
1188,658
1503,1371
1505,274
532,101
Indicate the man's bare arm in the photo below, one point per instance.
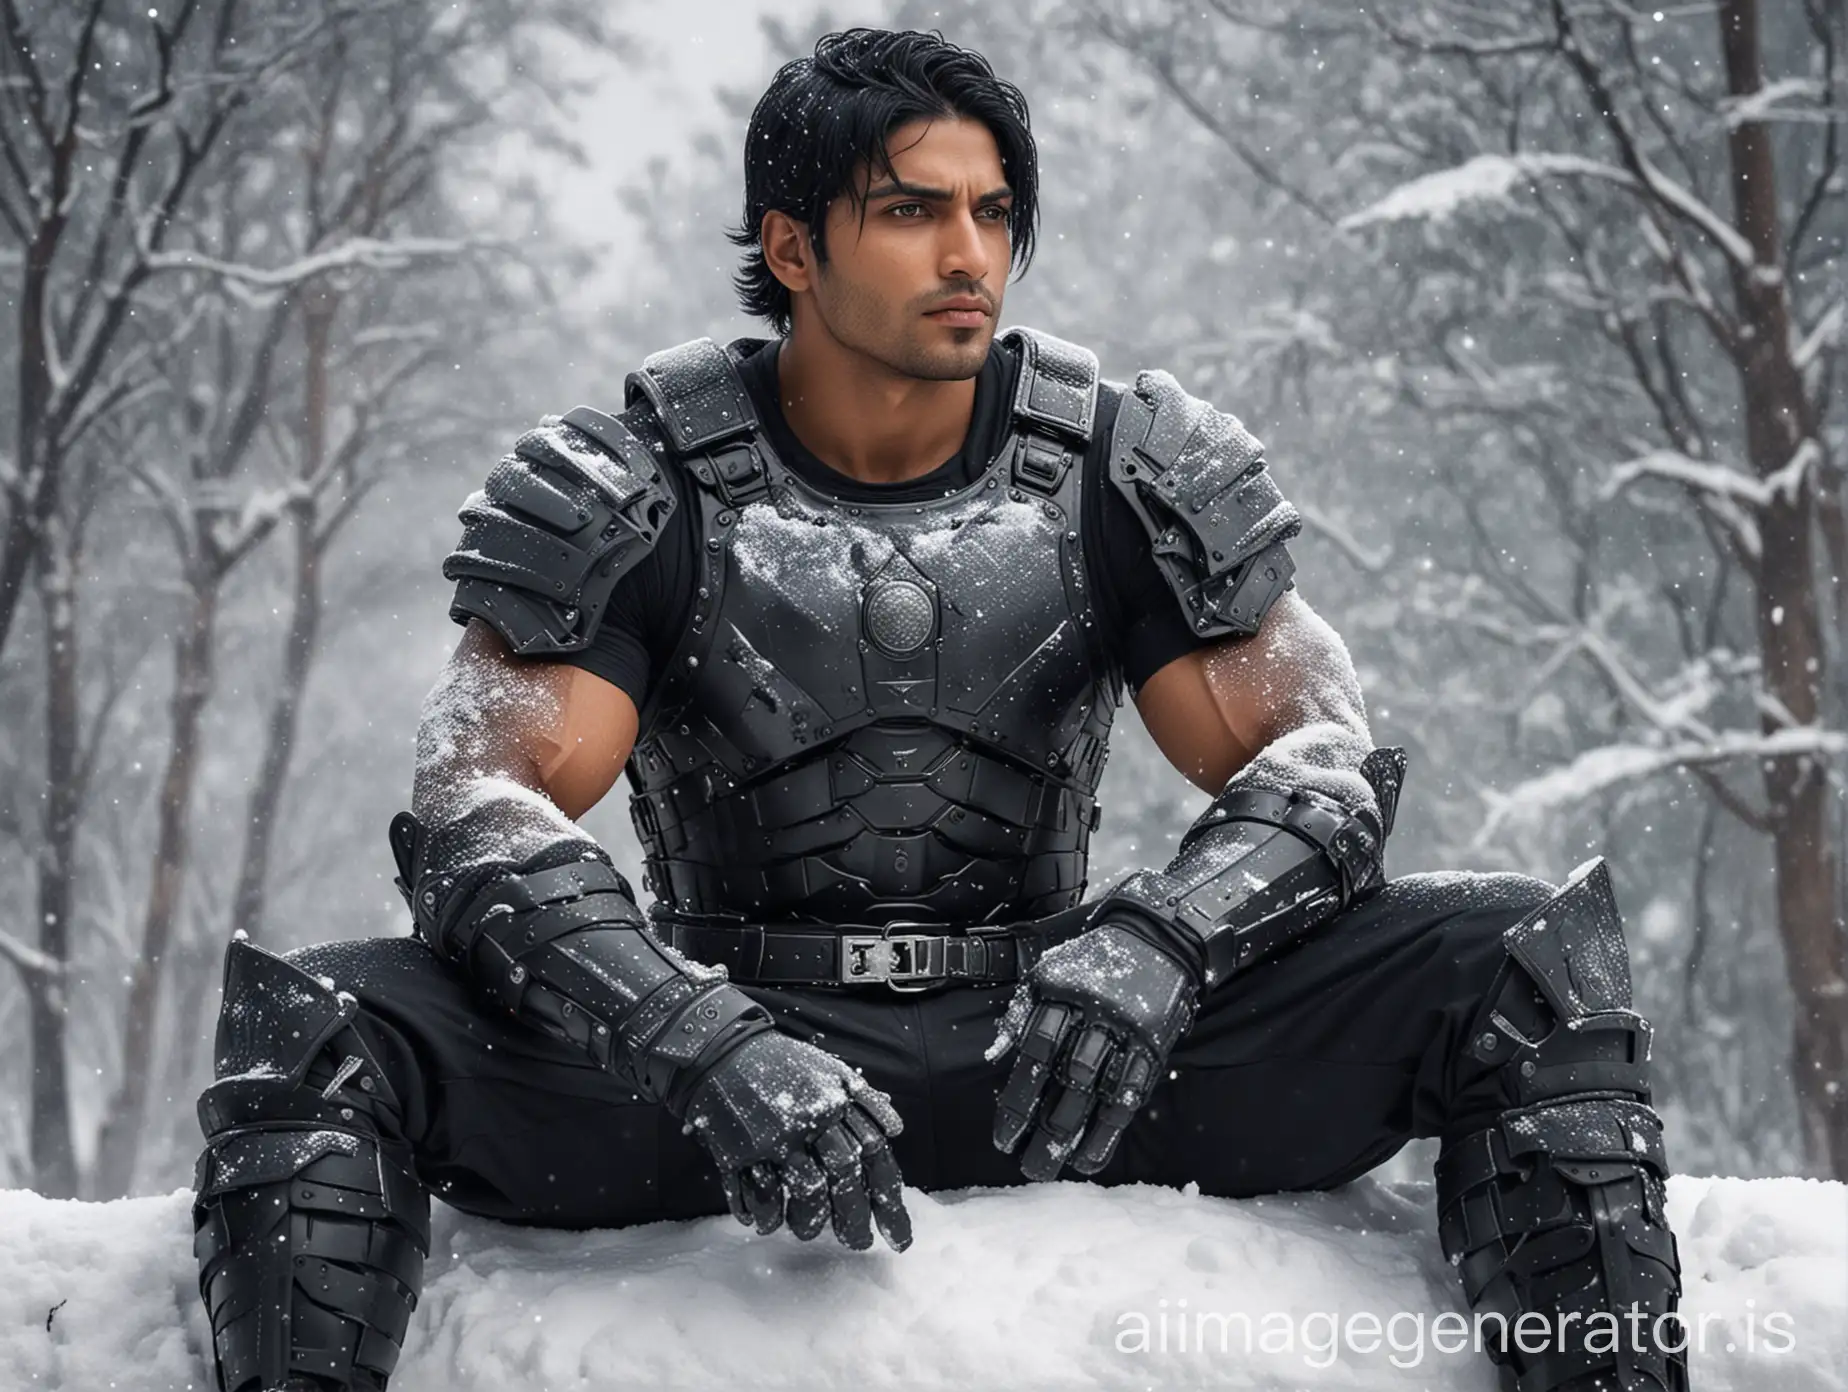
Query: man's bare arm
543,740
1282,707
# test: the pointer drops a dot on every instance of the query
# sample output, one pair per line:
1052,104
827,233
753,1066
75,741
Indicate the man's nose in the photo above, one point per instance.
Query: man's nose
963,255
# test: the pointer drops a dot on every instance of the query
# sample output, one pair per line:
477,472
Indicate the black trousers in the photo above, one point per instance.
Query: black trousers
1303,1073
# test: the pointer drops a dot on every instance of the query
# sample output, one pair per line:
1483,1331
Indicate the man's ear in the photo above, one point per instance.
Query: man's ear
788,253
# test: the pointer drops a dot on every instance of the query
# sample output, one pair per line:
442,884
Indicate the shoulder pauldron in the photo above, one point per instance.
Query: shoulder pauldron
1216,520
559,521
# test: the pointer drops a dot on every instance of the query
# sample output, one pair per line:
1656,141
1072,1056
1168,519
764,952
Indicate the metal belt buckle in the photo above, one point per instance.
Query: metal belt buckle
903,961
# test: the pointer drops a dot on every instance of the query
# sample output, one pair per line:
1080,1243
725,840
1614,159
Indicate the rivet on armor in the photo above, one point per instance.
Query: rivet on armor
1071,536
692,661
1527,1069
366,1084
517,975
1488,1039
712,544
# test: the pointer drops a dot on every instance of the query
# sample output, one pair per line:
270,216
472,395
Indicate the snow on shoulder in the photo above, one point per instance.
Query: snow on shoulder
1062,1285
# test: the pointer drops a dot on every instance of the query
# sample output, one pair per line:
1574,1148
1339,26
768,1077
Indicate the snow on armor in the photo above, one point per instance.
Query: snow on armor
878,712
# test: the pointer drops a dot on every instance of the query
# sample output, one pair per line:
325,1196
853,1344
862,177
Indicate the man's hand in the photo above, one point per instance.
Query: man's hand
793,1129
1094,1019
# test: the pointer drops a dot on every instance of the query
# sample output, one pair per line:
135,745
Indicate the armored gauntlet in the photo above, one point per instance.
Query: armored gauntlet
559,940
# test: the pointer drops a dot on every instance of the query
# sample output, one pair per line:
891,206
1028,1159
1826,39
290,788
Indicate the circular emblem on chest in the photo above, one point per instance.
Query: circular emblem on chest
899,616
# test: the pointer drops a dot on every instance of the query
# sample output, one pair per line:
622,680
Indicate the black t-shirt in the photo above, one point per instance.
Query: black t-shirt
1141,620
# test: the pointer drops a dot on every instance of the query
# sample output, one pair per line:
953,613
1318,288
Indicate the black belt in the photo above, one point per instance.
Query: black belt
895,955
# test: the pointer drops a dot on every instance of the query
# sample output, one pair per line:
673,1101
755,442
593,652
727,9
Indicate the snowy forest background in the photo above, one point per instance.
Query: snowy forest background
1539,307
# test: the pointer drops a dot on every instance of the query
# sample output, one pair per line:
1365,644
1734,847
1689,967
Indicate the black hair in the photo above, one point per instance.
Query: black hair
823,117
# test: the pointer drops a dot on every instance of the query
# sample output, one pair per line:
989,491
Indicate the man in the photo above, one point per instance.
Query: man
855,609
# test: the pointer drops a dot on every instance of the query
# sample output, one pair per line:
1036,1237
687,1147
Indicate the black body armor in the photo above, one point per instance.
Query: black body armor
878,712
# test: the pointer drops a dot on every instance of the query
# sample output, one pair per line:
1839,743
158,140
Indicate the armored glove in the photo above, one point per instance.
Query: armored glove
793,1129
1095,1019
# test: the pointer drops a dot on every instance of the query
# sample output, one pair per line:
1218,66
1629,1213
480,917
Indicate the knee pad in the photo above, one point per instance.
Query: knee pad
310,1226
1557,1207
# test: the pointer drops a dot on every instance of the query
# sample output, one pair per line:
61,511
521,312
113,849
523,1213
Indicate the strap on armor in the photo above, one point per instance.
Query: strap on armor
704,407
559,941
1197,480
559,521
1558,1207
1309,857
706,410
310,1226
1055,408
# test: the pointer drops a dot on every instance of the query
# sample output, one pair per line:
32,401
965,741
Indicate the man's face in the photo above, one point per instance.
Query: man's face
918,286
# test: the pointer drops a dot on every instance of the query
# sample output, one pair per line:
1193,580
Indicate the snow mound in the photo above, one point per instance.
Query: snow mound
1062,1285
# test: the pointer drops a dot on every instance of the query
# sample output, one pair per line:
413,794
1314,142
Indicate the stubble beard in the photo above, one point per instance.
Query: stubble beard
899,338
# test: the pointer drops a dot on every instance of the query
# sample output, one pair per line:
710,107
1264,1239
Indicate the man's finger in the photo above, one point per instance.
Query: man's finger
883,1184
1065,1112
763,1196
734,1196
839,1154
1128,1079
1020,1095
1013,1021
807,1188
877,1105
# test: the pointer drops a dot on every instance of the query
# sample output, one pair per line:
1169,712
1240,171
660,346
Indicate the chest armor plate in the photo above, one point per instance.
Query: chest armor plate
880,712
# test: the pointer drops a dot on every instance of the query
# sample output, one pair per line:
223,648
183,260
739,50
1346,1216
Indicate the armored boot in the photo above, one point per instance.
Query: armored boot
310,1226
1554,1209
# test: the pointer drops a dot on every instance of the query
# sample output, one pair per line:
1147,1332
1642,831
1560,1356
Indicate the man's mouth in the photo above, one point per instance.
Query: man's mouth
960,316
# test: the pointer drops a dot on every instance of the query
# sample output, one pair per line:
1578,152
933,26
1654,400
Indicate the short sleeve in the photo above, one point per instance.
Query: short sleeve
647,611
1149,630
1143,626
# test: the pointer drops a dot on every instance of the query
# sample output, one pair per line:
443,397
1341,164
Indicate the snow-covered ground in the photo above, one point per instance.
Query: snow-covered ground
1039,1288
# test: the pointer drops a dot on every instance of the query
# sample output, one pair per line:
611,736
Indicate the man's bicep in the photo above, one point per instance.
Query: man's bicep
1212,710
583,751
545,725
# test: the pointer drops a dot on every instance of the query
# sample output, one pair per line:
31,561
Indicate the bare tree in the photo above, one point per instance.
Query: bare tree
1626,390
181,278
97,158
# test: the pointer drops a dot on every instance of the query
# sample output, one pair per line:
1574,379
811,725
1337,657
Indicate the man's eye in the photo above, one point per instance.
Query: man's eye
1005,213
900,207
